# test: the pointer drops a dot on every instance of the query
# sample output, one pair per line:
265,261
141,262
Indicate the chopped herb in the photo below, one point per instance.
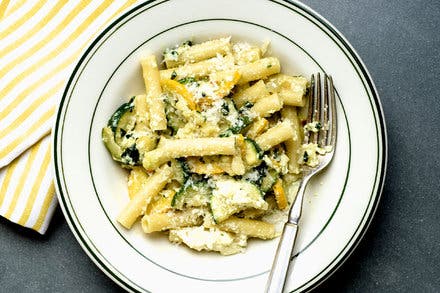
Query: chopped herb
245,116
225,109
186,80
203,94
131,155
173,74
269,66
174,53
275,154
246,106
171,54
318,125
227,133
187,43
305,157
243,120
185,168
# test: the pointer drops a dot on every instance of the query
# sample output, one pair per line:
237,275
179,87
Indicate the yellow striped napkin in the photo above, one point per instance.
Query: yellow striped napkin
39,43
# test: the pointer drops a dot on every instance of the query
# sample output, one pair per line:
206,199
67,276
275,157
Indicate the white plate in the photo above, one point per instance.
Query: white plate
339,204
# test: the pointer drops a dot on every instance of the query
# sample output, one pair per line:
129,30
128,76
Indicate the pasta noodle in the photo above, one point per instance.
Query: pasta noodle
140,200
152,84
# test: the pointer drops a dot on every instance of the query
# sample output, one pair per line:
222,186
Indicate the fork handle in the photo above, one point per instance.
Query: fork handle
280,267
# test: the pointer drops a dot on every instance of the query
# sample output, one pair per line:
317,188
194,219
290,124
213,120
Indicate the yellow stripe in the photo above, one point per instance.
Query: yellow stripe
10,29
3,6
35,187
12,8
28,91
35,28
21,181
60,47
21,76
43,119
49,56
11,168
31,108
45,207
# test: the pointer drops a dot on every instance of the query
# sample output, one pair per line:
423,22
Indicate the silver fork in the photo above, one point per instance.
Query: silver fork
322,109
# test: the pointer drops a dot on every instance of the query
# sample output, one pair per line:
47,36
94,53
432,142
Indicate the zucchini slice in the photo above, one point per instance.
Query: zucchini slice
118,137
108,138
124,108
174,119
253,153
192,195
181,170
270,177
232,196
131,156
238,120
124,129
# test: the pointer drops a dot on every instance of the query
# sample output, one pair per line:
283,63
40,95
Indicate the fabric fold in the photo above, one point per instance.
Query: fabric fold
40,42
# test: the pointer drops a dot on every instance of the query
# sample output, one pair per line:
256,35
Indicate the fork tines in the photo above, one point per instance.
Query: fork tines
321,111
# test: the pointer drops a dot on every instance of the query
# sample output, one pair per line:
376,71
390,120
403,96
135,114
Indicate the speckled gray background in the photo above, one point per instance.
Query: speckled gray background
399,42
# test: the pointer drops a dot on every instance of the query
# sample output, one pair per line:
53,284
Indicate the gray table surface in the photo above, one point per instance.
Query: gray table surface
399,41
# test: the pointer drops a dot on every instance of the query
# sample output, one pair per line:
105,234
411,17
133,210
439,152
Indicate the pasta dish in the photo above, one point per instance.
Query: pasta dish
214,145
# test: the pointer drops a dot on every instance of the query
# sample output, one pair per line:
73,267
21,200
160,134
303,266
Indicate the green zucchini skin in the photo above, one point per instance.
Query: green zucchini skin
254,154
195,194
223,202
269,179
244,118
263,177
114,149
175,120
114,119
114,134
182,171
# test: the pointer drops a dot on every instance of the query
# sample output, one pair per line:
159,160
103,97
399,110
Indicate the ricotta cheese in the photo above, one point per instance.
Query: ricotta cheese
231,196
212,239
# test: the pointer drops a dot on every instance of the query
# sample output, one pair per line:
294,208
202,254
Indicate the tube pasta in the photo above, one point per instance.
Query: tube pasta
188,147
231,165
140,106
293,144
259,69
156,106
251,94
265,107
202,68
171,220
199,52
140,200
290,88
244,53
275,135
248,227
257,127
